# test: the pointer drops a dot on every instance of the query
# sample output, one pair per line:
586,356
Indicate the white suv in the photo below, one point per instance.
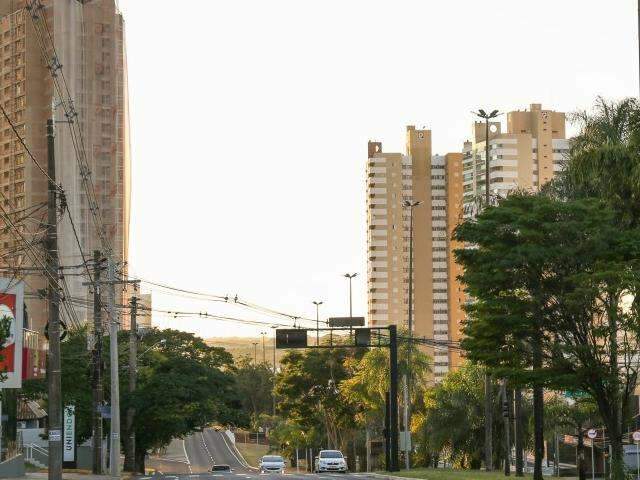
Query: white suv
330,461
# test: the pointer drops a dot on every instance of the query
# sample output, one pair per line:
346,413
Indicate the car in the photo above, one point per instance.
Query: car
272,464
220,467
330,461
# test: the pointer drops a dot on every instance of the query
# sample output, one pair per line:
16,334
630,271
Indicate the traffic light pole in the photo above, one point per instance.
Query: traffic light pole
298,338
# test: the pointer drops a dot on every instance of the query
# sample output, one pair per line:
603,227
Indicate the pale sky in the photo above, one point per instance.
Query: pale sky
250,121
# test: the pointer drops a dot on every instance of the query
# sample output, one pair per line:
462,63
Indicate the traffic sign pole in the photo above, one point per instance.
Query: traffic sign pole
636,439
592,434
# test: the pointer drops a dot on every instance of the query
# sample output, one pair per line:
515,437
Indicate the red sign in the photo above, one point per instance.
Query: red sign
11,309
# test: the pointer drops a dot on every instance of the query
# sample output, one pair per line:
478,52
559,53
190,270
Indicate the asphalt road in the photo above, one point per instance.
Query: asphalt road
203,449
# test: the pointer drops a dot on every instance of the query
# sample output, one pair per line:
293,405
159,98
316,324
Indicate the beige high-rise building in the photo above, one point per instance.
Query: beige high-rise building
87,41
392,180
526,156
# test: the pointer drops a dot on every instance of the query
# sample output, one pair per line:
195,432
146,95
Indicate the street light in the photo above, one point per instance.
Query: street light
350,276
255,353
487,116
410,205
317,303
488,405
264,355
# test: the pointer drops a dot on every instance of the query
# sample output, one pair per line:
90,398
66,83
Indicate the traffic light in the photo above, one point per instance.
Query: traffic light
505,409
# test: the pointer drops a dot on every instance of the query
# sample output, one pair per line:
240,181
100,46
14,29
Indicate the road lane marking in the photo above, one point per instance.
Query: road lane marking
184,449
231,450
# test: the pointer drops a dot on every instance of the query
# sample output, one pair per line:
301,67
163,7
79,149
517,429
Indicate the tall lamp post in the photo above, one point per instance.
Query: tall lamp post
488,392
255,353
264,352
410,205
350,276
317,303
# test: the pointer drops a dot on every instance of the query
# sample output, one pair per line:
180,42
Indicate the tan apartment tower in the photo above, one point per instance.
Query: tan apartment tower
393,179
526,156
87,39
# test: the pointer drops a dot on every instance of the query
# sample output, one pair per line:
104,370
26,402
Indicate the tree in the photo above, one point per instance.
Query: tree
183,386
579,415
309,397
555,275
254,387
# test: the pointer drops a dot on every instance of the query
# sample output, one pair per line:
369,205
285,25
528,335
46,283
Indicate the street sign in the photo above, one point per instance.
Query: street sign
291,338
336,322
592,433
363,337
636,436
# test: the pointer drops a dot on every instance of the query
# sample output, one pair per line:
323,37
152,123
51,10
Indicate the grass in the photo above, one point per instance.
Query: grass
446,474
252,453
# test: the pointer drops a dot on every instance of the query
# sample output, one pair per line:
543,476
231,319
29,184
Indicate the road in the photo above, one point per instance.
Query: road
201,450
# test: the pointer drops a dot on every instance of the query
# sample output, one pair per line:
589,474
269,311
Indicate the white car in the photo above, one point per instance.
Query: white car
330,461
272,464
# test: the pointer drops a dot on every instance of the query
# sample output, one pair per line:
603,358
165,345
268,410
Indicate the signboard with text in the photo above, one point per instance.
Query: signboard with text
12,310
69,432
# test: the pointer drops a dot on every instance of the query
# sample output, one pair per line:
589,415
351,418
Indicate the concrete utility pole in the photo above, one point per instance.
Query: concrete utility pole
317,303
96,380
506,408
133,374
114,451
53,371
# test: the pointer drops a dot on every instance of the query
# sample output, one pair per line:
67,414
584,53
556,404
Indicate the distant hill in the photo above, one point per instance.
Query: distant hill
243,346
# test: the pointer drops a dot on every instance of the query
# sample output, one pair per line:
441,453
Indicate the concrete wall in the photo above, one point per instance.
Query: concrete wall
14,467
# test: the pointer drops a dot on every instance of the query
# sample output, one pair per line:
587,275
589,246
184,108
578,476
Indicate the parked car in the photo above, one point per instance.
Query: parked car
220,467
272,464
330,461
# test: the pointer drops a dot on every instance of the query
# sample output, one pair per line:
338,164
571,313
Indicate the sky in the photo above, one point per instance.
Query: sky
250,122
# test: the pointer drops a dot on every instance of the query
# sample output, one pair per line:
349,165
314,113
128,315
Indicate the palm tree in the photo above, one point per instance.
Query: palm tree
604,158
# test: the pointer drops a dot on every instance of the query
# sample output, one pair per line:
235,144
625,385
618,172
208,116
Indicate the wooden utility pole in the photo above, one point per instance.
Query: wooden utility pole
54,403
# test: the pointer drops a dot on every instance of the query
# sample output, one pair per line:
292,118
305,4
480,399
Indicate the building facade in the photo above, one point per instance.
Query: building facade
64,60
392,180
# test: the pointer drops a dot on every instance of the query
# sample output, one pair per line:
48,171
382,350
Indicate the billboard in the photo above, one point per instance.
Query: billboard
12,308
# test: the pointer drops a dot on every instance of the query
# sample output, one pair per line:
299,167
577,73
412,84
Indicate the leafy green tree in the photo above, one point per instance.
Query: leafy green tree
307,389
555,275
254,387
450,424
577,416
183,386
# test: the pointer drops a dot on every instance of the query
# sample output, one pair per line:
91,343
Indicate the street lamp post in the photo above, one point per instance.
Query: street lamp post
350,276
317,303
410,205
264,353
255,353
488,392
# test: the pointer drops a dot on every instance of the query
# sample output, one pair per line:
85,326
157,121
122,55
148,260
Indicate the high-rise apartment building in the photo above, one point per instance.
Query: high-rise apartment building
392,180
86,39
526,157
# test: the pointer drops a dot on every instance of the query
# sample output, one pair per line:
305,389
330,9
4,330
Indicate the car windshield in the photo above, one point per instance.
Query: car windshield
272,458
330,455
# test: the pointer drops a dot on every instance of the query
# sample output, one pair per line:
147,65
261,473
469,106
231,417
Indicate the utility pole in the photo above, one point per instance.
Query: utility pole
130,457
273,391
114,451
507,427
255,353
393,397
519,433
264,351
96,379
53,371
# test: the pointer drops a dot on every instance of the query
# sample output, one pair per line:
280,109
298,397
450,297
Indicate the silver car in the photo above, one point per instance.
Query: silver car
272,464
330,461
